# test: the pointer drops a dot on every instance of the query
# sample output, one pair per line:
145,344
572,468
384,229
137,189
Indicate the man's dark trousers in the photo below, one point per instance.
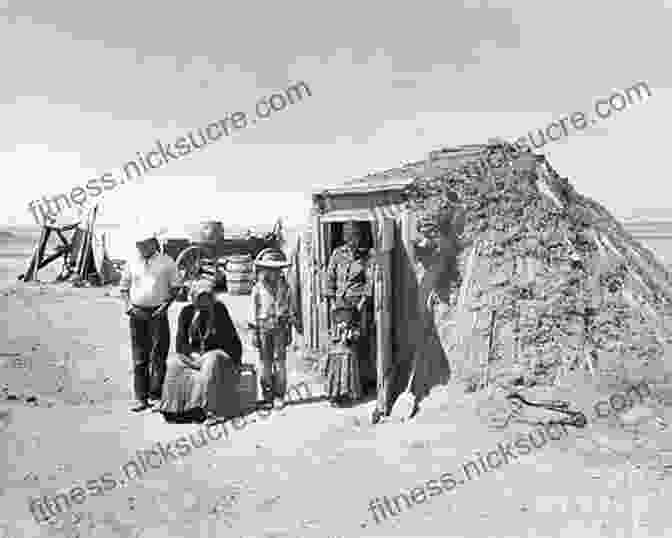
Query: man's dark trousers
150,341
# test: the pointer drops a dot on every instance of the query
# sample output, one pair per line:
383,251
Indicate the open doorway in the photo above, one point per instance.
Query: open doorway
334,235
333,239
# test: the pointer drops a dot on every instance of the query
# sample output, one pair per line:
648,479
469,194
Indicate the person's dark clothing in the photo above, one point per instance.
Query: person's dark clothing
150,343
350,273
203,384
224,338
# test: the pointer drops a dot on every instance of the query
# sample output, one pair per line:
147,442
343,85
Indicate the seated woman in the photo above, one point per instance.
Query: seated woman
208,352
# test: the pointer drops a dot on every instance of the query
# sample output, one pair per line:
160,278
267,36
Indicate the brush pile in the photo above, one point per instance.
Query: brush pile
545,279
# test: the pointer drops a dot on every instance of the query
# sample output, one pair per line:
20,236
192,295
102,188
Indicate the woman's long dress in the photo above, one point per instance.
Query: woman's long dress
342,371
194,387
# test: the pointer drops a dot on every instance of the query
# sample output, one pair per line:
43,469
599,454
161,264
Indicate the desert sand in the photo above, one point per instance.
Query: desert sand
308,470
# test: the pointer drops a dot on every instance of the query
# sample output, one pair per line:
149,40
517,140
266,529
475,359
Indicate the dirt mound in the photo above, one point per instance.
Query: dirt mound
537,279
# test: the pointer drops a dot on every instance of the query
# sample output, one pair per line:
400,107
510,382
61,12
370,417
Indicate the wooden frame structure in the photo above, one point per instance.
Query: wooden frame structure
84,255
39,260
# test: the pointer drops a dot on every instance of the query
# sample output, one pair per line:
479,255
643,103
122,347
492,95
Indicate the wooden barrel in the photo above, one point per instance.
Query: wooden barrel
211,230
239,274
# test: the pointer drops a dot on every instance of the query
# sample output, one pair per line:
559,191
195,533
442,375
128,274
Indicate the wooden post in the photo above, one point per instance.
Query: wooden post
38,254
485,366
86,246
410,279
325,241
82,250
383,314
408,235
319,267
308,295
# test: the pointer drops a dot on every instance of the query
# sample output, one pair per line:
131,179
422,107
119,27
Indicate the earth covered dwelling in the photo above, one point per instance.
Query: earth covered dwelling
492,268
404,326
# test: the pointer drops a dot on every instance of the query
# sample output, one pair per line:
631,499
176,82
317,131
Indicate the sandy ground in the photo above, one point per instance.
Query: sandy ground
309,470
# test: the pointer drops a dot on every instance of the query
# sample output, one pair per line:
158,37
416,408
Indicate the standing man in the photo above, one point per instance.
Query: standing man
149,286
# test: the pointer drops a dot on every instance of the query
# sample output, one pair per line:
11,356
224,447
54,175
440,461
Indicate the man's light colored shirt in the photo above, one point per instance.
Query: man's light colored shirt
149,281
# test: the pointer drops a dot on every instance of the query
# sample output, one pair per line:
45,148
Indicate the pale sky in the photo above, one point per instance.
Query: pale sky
86,85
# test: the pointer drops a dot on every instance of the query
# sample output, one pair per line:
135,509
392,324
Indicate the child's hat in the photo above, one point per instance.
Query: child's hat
271,258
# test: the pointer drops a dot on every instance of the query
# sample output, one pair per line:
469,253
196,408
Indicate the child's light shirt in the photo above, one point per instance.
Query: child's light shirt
269,307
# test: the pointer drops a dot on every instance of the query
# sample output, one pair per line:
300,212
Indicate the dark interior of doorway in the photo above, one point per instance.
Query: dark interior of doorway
337,235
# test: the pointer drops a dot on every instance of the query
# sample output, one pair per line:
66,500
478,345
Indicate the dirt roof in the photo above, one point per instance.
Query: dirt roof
437,163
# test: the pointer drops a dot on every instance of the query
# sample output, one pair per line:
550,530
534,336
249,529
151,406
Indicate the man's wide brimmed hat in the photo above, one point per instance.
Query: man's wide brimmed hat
271,258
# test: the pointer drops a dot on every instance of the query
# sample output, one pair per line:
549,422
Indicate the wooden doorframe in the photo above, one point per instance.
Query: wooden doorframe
383,235
384,245
319,302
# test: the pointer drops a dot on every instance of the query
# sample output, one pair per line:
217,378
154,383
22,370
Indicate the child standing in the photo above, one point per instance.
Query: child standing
270,320
341,367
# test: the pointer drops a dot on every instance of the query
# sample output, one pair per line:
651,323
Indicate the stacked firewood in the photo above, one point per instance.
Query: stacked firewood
553,280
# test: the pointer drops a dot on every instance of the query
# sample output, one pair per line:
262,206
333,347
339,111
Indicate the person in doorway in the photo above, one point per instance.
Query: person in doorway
209,353
341,368
350,276
149,285
271,320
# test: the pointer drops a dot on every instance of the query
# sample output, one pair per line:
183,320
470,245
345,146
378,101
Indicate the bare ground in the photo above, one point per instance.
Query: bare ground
306,471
